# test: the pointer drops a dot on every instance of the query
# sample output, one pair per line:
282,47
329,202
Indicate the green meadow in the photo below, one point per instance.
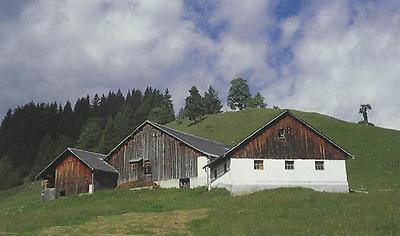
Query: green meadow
373,209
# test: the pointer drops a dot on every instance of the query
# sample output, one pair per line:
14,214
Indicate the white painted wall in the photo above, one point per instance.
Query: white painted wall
242,177
200,180
170,183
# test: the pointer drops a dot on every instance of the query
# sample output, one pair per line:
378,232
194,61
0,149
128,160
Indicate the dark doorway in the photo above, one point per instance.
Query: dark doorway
184,183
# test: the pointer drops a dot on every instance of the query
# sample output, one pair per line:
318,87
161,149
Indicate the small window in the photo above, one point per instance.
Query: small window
184,183
215,173
147,168
319,165
258,164
62,193
225,168
281,133
289,165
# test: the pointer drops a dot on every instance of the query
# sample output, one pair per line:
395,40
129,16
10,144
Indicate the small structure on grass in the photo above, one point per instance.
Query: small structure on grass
75,172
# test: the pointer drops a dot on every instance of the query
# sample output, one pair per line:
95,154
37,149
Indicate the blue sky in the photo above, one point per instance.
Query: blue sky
323,56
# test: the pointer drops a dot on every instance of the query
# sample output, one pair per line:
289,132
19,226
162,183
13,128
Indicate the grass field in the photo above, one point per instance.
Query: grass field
296,211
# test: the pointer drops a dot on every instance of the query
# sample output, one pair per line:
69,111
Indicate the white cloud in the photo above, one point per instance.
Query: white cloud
58,50
341,65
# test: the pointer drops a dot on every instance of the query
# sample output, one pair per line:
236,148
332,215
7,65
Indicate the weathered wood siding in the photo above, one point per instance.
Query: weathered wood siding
169,158
300,142
72,176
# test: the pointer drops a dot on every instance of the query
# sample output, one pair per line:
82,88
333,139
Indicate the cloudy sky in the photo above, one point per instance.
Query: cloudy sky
323,56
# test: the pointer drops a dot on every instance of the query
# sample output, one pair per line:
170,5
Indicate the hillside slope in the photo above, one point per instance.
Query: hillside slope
376,150
272,212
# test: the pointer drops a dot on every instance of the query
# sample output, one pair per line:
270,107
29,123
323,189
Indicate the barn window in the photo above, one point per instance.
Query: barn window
281,133
215,174
289,165
225,168
258,164
147,168
319,165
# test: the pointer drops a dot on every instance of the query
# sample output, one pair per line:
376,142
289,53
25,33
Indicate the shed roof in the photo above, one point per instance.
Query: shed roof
94,161
205,146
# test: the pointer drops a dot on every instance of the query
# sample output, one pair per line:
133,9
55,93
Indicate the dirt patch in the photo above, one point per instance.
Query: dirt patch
162,223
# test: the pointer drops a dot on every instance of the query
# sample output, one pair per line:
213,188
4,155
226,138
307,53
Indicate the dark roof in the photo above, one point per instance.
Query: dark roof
94,161
286,112
205,146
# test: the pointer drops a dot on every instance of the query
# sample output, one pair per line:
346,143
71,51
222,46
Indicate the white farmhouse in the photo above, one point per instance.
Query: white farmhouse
286,152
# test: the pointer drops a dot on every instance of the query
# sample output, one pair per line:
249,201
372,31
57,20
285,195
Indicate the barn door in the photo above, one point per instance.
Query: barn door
184,183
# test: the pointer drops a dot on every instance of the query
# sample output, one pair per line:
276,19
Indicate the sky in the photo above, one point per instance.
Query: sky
321,56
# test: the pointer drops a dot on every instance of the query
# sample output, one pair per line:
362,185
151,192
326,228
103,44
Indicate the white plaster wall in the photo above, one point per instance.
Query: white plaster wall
170,183
201,179
243,178
223,180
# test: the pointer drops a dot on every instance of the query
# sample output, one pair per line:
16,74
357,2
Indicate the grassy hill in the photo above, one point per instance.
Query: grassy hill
375,169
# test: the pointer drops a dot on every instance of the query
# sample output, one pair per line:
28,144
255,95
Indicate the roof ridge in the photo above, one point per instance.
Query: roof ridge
192,135
126,138
69,148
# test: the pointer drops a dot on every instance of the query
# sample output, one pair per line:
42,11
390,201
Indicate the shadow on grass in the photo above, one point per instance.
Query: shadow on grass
197,121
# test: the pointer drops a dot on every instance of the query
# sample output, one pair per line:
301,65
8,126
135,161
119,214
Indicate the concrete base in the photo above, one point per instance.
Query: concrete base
171,183
238,189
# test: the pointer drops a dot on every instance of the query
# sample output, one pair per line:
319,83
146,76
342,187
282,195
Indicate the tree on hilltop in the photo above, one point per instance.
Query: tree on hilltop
194,108
212,104
239,94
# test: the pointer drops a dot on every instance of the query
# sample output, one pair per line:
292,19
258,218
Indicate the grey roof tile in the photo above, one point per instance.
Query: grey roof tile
93,160
204,145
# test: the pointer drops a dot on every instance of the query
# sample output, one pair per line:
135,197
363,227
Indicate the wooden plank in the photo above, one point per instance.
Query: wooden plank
300,142
169,158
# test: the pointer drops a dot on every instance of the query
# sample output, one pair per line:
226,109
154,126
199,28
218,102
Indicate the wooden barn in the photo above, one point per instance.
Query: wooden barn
164,155
74,172
285,152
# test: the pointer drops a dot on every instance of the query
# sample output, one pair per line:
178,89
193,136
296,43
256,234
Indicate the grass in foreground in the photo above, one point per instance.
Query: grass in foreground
198,212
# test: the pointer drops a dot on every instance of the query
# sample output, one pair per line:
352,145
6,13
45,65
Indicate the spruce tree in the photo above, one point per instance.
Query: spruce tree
90,134
194,108
212,104
109,138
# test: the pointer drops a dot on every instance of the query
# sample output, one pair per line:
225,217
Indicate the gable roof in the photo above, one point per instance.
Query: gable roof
205,146
94,161
268,124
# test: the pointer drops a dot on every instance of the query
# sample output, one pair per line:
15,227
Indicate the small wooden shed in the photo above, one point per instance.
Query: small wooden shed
74,172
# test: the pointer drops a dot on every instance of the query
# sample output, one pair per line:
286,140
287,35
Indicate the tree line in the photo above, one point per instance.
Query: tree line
34,134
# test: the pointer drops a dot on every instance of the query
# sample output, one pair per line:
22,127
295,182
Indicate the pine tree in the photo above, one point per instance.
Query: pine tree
239,94
121,125
95,104
181,114
258,101
194,108
108,139
90,136
212,104
161,115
